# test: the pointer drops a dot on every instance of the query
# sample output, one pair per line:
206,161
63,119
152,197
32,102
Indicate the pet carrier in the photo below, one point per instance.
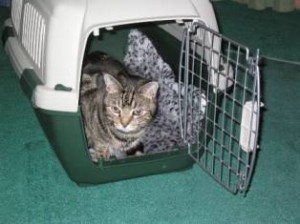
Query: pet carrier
216,84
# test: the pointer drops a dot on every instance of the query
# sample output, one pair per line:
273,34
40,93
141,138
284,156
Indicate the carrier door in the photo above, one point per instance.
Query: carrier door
220,105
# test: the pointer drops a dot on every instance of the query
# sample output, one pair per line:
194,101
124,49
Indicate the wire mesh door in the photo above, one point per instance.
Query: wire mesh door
227,115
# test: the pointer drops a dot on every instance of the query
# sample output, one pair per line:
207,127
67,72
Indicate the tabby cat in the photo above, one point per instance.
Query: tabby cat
116,106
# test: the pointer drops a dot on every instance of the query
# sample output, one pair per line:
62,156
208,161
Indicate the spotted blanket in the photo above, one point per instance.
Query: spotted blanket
164,132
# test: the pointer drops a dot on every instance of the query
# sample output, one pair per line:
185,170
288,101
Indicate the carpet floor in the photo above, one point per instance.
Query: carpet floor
34,188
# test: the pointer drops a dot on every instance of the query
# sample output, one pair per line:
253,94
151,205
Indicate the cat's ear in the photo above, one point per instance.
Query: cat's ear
112,85
149,89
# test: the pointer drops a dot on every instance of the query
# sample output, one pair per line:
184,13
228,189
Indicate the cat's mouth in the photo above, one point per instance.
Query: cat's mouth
127,129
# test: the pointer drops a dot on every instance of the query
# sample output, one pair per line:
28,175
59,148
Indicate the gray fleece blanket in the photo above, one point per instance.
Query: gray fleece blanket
164,132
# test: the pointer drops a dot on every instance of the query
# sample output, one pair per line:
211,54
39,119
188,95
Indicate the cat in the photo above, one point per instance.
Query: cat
117,106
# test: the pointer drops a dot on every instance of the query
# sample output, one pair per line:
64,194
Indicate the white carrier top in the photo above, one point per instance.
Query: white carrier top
52,35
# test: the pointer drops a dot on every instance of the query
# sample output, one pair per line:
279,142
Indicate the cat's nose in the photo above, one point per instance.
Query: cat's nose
126,116
125,120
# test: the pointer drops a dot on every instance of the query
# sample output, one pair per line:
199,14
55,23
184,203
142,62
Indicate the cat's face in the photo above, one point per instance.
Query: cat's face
129,109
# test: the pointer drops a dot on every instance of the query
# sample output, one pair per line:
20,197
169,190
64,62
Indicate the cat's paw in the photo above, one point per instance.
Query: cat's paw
94,155
97,154
105,154
139,153
119,154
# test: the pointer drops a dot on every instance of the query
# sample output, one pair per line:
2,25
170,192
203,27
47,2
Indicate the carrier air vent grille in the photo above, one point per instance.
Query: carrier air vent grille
16,10
33,34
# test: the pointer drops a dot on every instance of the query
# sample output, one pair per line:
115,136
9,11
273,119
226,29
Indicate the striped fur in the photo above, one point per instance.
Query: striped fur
116,106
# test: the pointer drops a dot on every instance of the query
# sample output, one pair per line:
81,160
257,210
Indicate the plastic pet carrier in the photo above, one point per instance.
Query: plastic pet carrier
214,83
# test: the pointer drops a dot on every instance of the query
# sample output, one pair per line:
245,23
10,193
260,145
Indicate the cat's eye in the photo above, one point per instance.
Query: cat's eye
138,112
114,109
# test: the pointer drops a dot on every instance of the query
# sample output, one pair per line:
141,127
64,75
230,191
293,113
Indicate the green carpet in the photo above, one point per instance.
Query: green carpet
34,188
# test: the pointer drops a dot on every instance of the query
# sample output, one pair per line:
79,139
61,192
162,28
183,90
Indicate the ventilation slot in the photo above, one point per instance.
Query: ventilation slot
33,36
16,9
